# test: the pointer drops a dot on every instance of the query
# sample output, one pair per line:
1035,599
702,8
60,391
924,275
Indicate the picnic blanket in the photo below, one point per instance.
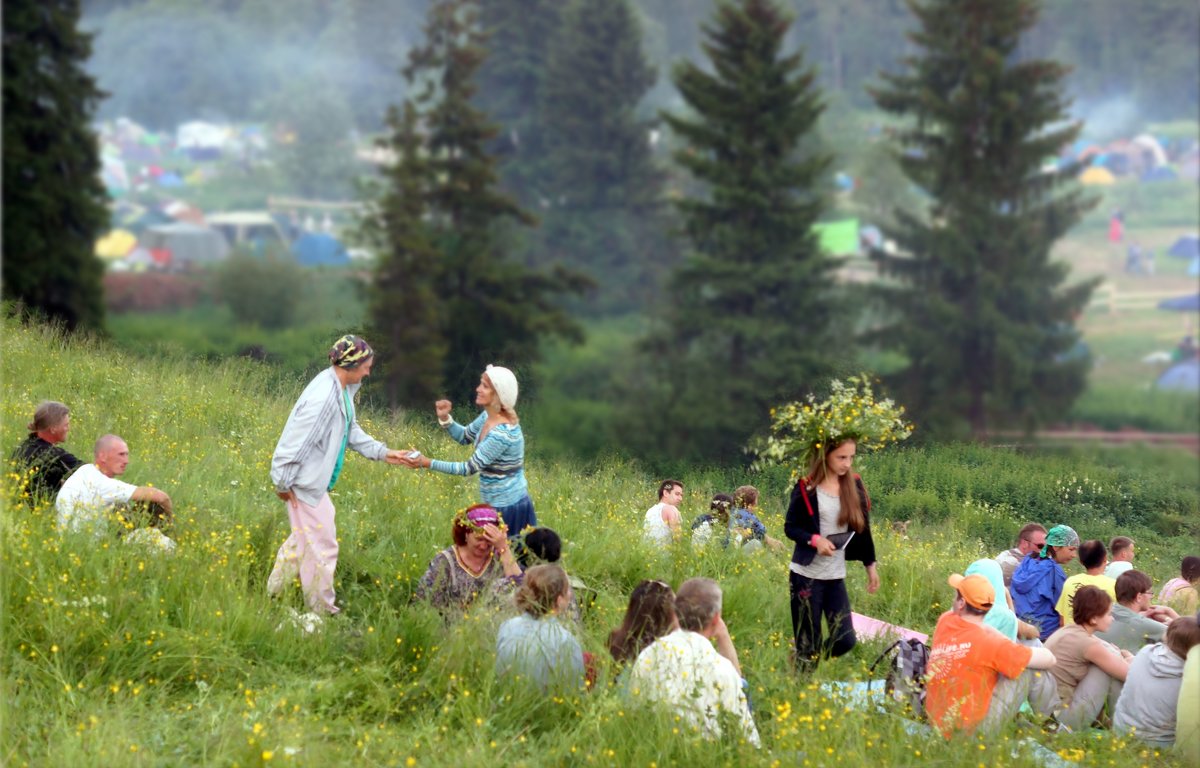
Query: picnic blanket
868,628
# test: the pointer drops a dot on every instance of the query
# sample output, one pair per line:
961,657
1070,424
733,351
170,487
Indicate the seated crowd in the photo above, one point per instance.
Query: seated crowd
1080,651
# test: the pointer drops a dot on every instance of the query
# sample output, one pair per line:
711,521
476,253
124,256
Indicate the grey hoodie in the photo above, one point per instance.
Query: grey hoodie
312,438
1148,702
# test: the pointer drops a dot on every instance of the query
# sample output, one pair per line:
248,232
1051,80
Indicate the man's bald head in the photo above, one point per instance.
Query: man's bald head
111,455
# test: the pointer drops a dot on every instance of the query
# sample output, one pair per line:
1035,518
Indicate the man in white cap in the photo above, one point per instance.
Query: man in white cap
499,455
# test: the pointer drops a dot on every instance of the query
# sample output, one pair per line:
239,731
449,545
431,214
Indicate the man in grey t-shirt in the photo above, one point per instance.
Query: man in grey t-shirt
1135,621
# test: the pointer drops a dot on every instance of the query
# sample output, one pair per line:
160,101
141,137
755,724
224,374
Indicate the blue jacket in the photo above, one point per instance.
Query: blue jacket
1036,586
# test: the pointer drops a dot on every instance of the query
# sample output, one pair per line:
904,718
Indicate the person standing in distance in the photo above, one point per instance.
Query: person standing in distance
306,465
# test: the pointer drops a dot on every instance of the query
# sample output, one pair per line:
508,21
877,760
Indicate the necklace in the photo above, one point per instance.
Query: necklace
475,574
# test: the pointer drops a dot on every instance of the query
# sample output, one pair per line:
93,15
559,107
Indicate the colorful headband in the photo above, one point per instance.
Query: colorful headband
349,351
477,517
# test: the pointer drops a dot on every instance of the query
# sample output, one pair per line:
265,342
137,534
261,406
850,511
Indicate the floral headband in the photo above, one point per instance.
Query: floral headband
477,517
802,430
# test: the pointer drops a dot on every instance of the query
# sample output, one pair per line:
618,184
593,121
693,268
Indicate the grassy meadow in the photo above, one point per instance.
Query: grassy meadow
114,656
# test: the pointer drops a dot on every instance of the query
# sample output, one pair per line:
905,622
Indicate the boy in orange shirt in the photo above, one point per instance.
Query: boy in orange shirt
978,677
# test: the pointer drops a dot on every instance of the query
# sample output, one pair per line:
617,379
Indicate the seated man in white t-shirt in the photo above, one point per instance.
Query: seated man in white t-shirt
91,496
683,670
662,523
1120,556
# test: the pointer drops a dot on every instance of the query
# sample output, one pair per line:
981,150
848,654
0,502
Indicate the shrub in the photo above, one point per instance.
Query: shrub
260,291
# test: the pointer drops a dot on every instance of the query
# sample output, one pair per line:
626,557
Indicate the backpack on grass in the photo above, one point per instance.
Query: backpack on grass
905,680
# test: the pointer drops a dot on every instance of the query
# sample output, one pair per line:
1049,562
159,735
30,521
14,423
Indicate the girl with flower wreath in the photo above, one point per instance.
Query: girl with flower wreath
829,514
828,503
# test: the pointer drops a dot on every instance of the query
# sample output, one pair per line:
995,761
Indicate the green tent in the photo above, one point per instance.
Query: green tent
838,238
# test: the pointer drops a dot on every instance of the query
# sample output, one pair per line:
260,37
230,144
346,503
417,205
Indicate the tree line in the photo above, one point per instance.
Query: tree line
527,197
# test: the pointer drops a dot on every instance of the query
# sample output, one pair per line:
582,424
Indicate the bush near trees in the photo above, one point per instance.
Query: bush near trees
751,314
263,291
54,203
982,314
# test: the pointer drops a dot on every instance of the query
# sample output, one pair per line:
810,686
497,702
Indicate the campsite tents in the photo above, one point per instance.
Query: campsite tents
187,243
1182,304
1160,173
314,249
116,244
838,238
1186,247
1183,376
1097,175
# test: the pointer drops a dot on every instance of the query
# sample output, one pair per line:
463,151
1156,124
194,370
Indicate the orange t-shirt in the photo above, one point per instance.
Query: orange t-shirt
965,661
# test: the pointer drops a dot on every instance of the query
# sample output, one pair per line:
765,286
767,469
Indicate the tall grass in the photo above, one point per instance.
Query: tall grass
116,657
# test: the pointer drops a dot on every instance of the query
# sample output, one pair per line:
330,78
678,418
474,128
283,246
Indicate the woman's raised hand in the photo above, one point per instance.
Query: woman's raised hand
442,409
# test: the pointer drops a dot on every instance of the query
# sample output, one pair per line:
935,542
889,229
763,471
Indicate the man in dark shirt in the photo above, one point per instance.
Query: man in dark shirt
43,465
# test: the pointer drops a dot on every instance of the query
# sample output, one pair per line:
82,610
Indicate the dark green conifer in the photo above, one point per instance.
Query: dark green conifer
490,308
752,311
984,317
55,206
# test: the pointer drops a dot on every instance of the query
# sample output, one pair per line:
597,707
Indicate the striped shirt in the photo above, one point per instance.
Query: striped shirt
499,460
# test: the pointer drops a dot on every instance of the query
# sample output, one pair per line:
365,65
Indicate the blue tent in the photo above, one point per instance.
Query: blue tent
314,249
1182,304
1186,247
1183,376
1161,173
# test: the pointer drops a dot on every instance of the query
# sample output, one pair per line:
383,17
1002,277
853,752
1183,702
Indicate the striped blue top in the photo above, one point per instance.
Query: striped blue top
499,459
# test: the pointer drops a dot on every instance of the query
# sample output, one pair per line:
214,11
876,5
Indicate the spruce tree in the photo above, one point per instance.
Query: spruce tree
402,299
752,310
54,202
510,86
982,314
601,201
491,308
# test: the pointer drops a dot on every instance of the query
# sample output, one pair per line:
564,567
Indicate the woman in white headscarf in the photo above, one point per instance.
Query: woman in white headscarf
499,457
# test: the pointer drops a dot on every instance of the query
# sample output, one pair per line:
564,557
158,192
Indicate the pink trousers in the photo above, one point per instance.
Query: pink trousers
311,553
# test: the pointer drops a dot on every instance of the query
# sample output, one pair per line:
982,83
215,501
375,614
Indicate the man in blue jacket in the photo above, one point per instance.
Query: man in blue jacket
306,465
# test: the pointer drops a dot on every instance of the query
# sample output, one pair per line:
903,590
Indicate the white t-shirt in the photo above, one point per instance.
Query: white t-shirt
684,671
87,497
655,527
1116,568
826,567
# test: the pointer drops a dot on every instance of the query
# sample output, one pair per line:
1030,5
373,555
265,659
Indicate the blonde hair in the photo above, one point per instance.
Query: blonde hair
541,588
852,512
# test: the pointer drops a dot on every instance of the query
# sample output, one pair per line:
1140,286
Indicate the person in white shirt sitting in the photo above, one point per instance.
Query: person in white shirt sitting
1120,556
662,523
93,498
683,670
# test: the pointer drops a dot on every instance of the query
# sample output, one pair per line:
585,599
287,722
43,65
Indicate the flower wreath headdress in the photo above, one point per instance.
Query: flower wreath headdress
802,430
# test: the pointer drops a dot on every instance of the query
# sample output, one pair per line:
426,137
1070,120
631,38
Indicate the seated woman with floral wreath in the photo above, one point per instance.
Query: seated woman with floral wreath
478,561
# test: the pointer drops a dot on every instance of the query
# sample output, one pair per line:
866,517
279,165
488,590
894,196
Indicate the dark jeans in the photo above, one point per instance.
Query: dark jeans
518,516
811,599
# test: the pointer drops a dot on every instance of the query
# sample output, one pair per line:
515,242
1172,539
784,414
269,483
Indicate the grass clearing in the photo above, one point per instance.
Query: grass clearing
117,658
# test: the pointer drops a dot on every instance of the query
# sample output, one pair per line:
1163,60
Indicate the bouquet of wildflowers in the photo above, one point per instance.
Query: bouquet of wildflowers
801,430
